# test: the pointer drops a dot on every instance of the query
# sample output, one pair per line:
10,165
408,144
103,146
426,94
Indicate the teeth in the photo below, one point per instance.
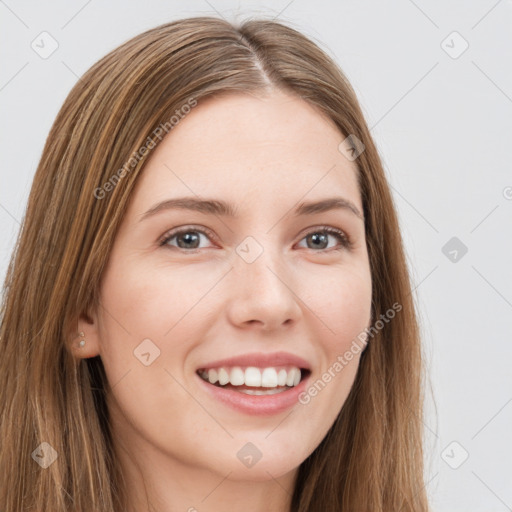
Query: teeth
269,378
293,377
212,376
236,377
252,376
223,376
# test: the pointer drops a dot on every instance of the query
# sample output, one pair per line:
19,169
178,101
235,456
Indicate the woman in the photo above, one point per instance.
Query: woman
209,307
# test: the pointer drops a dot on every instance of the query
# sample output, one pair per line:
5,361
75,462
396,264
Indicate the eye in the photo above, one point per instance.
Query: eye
189,238
319,238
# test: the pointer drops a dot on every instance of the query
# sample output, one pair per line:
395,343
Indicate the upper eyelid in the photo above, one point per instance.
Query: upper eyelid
171,233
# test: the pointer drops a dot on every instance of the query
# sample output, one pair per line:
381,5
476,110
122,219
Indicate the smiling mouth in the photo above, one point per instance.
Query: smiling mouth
257,389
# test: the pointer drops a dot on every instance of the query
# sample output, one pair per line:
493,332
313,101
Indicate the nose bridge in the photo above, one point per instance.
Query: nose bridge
259,262
261,284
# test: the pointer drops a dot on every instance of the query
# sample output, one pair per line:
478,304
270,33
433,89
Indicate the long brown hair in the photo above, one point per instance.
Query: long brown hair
372,457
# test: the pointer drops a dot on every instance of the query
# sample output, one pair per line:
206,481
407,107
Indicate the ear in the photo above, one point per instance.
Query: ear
84,338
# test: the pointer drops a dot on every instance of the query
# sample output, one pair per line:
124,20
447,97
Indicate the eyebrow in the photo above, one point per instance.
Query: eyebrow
219,207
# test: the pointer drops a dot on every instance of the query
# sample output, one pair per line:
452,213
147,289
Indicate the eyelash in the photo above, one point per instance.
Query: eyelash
345,241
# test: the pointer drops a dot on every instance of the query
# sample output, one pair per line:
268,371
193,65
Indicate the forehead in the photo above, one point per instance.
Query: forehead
242,145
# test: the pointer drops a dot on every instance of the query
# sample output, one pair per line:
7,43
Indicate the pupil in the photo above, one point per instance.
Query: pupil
189,239
316,237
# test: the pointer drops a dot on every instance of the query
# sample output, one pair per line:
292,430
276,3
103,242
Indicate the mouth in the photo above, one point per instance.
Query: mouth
256,397
252,380
256,383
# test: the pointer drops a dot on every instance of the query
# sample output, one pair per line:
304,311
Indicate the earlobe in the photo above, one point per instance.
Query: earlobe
85,342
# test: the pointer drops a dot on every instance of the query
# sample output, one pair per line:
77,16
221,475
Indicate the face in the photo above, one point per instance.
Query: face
185,288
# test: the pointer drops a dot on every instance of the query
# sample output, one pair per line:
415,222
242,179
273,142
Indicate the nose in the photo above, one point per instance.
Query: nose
262,294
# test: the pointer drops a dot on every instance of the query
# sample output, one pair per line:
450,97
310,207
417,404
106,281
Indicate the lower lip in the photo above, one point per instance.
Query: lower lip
260,405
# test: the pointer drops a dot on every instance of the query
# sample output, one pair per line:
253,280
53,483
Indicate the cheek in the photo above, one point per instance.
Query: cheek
150,309
342,305
134,315
141,362
342,312
149,300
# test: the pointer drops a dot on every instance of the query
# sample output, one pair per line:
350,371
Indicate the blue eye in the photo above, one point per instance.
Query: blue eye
188,235
188,238
343,239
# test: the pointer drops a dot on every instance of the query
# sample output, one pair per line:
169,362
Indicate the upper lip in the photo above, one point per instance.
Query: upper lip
260,360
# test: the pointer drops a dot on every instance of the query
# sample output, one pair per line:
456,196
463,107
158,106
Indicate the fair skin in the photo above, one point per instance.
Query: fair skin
202,301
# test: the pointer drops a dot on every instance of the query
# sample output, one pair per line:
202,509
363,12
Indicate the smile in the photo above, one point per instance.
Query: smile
252,390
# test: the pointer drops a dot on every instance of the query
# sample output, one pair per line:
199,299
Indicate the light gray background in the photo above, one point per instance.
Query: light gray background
444,128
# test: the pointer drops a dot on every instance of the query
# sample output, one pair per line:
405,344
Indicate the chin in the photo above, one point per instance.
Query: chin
261,471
